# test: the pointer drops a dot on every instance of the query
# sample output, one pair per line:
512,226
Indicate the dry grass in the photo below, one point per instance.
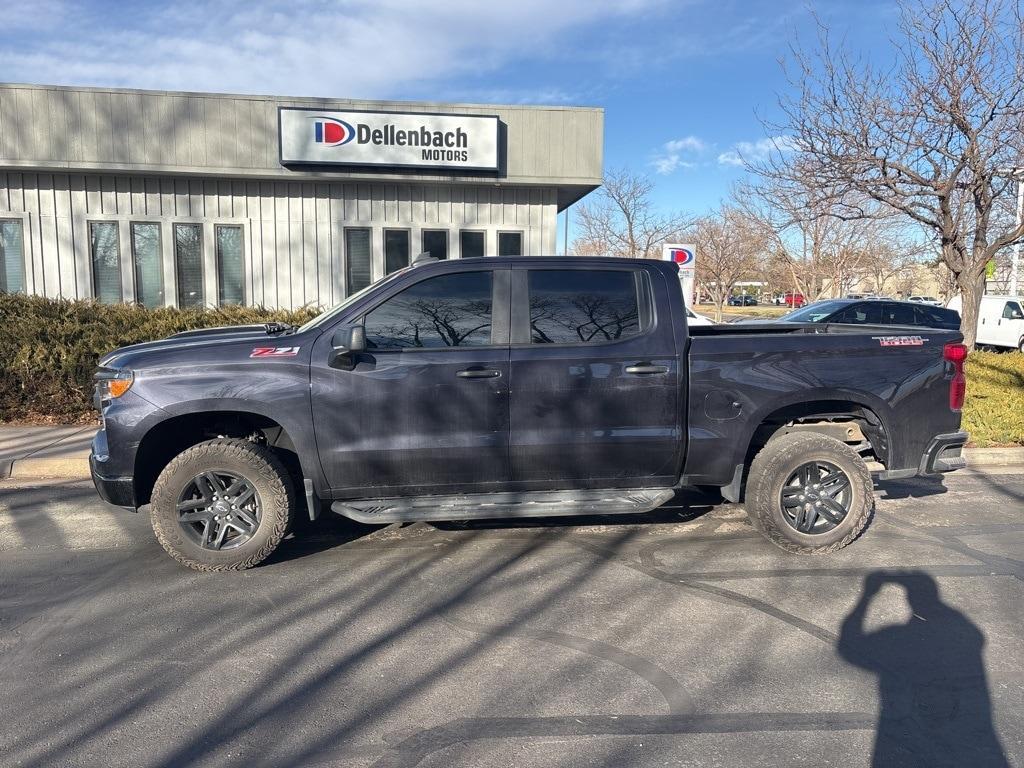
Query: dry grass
761,310
994,411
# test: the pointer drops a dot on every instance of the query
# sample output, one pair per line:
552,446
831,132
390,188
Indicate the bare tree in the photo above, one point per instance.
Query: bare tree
930,138
812,248
729,245
623,221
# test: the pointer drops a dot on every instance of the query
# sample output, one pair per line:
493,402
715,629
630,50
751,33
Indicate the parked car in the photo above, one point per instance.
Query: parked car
926,300
516,387
790,299
743,301
1000,321
875,312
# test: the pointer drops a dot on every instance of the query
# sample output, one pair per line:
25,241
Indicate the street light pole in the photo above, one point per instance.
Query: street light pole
1015,259
1017,172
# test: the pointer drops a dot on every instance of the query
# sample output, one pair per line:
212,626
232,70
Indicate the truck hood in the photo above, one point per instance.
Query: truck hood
196,341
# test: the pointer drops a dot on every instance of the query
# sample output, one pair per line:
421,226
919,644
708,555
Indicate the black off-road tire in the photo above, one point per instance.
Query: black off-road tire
257,464
776,462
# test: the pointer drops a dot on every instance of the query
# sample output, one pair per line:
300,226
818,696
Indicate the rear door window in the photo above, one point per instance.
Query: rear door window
585,307
935,317
898,314
868,313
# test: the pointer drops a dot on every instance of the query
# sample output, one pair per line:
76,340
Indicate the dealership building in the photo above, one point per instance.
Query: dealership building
195,199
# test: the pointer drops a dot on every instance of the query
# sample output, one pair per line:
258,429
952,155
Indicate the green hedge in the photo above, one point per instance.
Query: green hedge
51,347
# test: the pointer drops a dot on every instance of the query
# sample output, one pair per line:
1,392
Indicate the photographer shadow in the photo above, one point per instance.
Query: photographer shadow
934,704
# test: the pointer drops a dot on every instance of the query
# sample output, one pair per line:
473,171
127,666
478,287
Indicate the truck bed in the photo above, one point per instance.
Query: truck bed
744,374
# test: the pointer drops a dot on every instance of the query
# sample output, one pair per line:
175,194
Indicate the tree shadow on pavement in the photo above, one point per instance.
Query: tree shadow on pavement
915,487
934,706
311,537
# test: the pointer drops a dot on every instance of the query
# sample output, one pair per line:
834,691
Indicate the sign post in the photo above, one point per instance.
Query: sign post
683,254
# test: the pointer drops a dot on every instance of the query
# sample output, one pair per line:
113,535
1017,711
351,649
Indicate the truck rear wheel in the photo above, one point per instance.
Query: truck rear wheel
809,493
222,505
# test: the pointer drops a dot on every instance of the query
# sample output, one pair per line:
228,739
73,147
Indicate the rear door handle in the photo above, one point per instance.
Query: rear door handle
646,368
478,373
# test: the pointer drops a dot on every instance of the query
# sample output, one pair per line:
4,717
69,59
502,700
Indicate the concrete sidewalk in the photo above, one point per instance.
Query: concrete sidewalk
27,453
42,452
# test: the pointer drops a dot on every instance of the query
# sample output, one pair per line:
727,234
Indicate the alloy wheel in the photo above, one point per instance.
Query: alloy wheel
219,510
816,497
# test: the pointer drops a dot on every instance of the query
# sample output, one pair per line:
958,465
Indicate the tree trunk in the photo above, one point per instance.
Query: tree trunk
718,310
972,288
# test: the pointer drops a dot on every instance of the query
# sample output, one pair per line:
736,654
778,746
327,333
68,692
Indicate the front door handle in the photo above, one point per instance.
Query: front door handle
646,368
478,373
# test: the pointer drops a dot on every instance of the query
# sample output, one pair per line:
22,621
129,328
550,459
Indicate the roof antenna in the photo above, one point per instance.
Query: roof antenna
424,258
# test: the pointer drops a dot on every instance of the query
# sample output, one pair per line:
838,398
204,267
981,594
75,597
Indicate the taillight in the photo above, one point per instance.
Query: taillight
957,355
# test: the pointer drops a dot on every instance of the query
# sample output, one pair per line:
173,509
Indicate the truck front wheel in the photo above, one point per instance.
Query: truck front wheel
809,493
222,505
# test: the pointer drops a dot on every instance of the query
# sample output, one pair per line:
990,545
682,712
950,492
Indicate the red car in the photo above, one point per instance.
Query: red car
795,300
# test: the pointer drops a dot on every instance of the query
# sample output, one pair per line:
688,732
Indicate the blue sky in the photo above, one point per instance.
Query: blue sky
682,83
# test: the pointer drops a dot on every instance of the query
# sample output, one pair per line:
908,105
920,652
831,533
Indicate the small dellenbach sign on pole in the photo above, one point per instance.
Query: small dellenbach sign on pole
391,139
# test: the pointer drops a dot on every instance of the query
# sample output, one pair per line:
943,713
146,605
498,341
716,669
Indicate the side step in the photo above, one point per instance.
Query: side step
481,506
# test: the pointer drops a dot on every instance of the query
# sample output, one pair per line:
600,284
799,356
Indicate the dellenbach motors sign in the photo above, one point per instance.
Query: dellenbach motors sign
683,255
394,139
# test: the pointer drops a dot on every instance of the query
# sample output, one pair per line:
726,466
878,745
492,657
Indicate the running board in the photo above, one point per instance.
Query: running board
481,506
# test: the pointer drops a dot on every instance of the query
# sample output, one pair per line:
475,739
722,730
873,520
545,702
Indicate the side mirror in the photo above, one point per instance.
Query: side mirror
347,340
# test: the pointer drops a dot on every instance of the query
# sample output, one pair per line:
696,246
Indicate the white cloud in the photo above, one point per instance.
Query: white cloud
755,151
679,153
357,48
691,143
35,15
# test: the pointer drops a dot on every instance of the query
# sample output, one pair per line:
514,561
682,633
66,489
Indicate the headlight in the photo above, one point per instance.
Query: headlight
111,384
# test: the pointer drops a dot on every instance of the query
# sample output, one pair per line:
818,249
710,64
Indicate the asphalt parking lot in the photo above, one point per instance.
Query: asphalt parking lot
675,638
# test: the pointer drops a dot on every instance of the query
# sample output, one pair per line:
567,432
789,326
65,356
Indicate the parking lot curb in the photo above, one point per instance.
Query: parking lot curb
65,467
993,457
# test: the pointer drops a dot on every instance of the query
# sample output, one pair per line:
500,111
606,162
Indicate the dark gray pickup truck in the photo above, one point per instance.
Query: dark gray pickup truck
512,387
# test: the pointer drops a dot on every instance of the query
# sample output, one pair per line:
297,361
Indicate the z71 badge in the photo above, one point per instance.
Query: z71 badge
900,341
275,352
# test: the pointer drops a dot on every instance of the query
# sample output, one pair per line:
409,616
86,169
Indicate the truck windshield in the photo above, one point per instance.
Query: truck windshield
323,317
813,313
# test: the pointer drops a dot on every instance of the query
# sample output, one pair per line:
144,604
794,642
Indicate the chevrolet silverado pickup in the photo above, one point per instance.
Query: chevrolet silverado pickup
514,387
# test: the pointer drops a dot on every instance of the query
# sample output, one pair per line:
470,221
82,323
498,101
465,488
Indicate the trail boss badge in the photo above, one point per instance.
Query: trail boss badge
900,341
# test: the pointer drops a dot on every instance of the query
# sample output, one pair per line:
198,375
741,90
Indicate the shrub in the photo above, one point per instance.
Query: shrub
51,347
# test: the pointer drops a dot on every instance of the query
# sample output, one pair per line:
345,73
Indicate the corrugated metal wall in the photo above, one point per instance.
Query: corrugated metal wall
294,231
126,131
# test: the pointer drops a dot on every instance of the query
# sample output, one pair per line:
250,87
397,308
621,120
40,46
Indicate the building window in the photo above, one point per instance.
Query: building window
12,257
105,250
435,242
396,250
230,265
471,244
444,311
583,307
357,259
510,243
188,264
149,273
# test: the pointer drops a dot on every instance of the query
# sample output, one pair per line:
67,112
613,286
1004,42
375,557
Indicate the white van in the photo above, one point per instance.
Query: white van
1000,320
